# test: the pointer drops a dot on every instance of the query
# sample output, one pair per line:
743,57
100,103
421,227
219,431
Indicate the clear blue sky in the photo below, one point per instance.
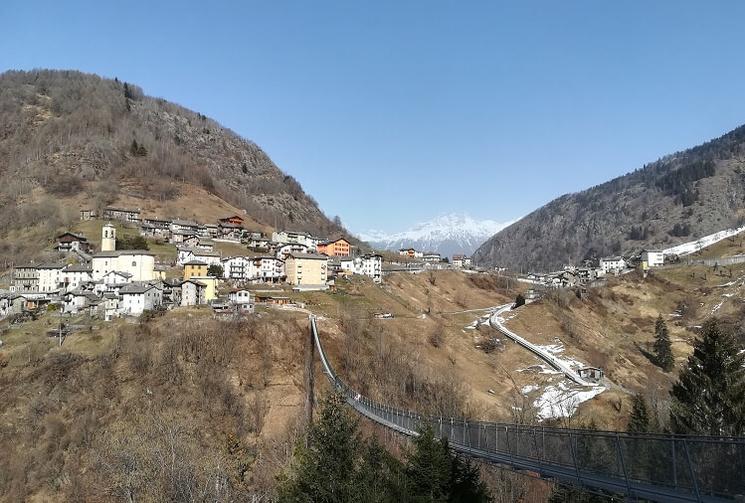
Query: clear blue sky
393,112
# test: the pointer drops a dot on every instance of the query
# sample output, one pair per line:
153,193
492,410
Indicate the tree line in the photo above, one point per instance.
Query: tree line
336,464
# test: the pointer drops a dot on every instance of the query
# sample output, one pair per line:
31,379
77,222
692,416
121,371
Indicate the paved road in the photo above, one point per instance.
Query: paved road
496,322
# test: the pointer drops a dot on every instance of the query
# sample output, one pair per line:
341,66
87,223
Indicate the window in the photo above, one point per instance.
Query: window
134,263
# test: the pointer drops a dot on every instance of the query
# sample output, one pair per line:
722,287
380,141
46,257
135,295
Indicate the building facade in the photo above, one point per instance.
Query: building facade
306,269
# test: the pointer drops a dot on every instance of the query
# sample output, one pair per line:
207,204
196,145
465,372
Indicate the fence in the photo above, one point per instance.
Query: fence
665,468
720,261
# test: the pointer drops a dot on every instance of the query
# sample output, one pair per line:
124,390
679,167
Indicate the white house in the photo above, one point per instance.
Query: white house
184,226
239,268
240,297
75,275
140,264
282,252
242,300
652,258
367,265
50,277
612,265
270,269
301,238
139,297
432,257
113,278
186,254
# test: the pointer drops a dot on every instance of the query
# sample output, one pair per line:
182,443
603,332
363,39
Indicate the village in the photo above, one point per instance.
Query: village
115,281
595,272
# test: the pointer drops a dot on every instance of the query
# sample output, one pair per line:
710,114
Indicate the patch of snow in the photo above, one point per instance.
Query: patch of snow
540,369
694,246
553,348
529,389
562,400
717,307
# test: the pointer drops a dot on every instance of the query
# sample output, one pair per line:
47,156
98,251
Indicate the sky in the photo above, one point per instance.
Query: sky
393,112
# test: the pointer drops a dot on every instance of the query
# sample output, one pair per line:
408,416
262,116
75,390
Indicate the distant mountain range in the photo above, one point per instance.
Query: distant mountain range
446,234
682,196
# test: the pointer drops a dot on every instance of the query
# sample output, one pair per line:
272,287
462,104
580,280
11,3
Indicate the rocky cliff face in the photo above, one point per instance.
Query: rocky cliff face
687,194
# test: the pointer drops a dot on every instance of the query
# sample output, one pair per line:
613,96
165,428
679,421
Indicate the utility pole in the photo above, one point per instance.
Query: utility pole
309,378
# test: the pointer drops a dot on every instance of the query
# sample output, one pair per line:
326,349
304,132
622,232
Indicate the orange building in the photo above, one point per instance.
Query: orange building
195,268
337,248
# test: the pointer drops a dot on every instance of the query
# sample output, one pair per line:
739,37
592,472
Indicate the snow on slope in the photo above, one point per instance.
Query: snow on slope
447,235
694,246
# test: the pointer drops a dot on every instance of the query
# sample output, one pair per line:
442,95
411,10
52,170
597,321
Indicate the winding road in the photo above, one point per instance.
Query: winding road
495,321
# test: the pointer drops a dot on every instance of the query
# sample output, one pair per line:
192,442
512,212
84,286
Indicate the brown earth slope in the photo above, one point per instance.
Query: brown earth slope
71,133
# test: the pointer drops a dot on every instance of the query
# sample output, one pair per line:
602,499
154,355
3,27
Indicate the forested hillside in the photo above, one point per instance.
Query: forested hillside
690,193
64,132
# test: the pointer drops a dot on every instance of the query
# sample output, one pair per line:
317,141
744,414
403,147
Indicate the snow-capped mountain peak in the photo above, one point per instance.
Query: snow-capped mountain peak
447,234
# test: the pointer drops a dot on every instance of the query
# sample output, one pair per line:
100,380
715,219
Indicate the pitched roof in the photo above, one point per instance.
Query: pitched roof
195,262
78,268
309,256
198,283
120,273
135,288
79,237
119,253
178,221
206,253
50,266
111,208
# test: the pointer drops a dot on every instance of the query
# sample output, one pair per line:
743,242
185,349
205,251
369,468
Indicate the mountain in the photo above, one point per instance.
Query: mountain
446,234
679,197
65,134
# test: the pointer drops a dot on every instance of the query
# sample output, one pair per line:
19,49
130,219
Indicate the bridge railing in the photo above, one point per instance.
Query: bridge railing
661,467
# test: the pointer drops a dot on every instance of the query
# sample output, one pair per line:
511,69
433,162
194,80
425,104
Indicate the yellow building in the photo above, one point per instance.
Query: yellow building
306,269
195,268
210,292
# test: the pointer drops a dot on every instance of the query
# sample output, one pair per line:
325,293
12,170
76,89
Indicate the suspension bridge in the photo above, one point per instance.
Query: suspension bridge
655,467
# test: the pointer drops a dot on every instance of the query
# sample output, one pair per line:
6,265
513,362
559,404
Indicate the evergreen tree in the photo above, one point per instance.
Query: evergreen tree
435,474
569,494
465,482
324,471
709,397
380,477
662,347
640,458
128,93
639,420
428,469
